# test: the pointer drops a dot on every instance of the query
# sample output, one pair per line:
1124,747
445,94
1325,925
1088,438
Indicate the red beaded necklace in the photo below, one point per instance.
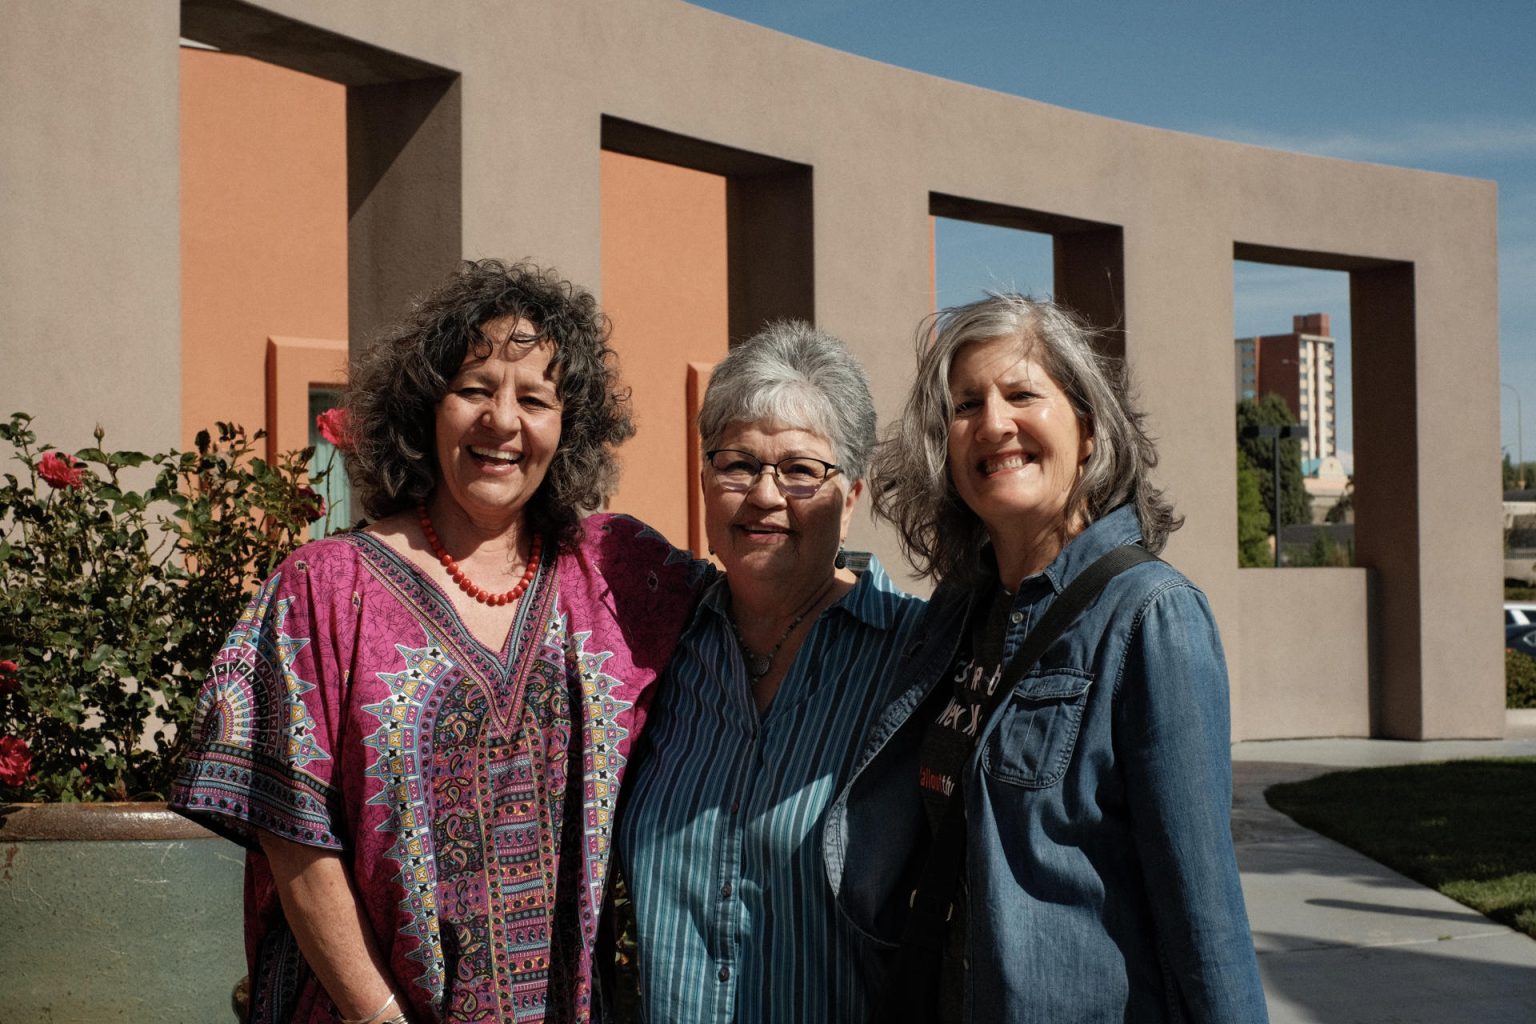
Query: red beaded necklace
463,581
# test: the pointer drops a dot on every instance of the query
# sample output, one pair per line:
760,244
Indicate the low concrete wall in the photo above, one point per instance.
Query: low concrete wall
1314,623
1520,566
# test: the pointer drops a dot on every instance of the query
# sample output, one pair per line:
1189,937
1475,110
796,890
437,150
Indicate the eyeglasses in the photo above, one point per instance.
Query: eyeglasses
799,477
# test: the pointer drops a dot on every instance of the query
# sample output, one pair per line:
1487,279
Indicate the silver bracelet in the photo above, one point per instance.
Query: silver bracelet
377,1016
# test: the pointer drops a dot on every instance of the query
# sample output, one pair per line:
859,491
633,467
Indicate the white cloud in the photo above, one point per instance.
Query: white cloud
1408,143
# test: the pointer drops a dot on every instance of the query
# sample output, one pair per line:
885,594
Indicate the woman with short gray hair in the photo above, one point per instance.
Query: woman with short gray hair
1040,821
787,661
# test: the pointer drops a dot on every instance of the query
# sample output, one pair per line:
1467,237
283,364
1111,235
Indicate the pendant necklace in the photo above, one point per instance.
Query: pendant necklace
759,664
457,574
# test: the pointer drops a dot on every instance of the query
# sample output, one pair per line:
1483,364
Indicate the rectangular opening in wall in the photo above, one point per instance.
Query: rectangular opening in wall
982,246
263,229
1294,414
702,244
663,252
972,259
397,140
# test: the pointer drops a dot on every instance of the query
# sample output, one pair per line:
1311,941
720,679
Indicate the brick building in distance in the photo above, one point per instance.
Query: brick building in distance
1299,367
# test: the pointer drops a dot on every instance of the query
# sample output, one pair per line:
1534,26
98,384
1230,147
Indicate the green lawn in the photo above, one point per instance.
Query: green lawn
1466,828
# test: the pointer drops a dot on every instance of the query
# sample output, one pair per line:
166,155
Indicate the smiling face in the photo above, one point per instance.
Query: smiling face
498,425
1015,446
762,533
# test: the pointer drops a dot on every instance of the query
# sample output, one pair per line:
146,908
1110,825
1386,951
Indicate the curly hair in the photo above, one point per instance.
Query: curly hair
394,387
939,533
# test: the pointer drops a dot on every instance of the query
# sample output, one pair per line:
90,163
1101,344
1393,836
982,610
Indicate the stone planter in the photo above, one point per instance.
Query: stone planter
116,912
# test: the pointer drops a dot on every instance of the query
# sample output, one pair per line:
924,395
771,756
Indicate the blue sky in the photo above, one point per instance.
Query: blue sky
1443,85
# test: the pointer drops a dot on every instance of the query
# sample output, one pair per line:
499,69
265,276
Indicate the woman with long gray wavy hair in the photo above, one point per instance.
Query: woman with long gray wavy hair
1058,819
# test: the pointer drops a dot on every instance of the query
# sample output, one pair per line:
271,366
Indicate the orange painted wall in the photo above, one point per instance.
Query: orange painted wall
665,288
263,229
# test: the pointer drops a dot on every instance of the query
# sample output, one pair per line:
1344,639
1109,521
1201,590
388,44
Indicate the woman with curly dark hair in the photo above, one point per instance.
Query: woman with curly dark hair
418,728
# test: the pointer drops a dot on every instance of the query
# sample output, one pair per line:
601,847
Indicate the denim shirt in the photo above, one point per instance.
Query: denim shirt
1101,883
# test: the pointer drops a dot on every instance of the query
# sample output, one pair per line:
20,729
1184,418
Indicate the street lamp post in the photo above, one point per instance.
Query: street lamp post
1519,438
1275,434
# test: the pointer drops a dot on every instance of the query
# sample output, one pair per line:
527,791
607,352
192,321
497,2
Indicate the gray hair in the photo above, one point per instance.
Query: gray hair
939,533
795,375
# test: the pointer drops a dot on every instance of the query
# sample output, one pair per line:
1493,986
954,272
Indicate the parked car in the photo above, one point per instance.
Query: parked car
1519,613
1521,637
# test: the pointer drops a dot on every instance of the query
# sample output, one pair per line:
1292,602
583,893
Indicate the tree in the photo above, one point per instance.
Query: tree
1258,452
1252,519
1515,474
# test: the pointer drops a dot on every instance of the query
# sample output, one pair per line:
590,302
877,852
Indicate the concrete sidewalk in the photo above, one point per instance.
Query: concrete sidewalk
1343,940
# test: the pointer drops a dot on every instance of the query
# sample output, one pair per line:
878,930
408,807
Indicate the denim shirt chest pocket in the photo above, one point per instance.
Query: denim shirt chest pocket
1037,728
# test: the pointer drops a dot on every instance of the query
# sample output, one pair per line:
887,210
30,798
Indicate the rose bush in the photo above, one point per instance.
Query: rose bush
114,599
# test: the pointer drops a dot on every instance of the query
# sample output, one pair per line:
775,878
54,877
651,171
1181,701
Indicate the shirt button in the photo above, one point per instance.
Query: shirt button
725,891
1016,618
725,974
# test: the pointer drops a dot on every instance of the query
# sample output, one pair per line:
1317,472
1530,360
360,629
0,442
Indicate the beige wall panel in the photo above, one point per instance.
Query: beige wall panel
532,179
1178,331
89,283
872,290
1320,638
1458,397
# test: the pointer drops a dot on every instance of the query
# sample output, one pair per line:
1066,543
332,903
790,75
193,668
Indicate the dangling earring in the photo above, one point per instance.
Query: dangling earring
841,561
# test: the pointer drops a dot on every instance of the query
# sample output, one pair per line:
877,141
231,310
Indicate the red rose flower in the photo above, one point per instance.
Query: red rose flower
333,427
313,504
8,682
61,470
15,761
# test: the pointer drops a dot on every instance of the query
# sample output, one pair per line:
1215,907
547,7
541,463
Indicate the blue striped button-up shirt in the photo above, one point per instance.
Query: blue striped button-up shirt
720,833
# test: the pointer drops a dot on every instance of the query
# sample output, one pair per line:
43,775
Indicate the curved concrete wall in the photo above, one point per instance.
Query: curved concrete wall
497,115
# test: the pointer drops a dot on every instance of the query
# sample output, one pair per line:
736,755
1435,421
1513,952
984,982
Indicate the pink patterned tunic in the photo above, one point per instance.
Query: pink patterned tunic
471,791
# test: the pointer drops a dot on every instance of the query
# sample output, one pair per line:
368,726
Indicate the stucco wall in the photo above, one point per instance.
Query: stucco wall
525,117
1314,622
89,270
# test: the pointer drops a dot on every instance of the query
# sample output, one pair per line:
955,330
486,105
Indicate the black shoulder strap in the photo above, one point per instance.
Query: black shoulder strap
911,992
1080,593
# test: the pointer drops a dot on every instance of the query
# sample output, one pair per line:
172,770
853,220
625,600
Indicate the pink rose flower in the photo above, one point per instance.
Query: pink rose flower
8,681
15,761
333,427
61,470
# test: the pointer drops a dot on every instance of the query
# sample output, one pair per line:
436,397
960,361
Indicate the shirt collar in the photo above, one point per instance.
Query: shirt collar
865,601
1120,526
